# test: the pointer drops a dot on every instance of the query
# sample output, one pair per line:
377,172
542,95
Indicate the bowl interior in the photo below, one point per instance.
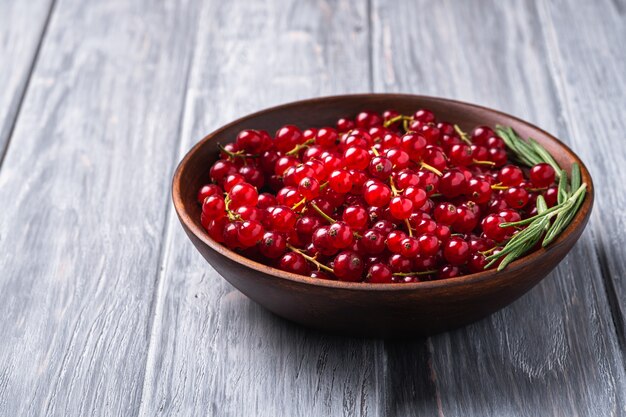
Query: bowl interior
193,171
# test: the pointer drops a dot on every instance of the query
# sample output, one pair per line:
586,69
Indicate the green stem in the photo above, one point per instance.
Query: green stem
321,213
431,168
311,259
299,147
411,274
462,135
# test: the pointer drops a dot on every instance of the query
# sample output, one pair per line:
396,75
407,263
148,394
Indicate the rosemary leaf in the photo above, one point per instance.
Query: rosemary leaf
544,155
563,220
542,206
575,180
562,194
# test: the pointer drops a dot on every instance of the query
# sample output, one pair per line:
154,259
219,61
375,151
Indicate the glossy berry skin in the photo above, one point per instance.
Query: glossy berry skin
356,217
510,175
373,242
294,262
249,233
516,197
542,175
208,190
348,266
221,169
357,158
448,271
400,207
309,188
446,213
394,240
456,251
379,274
214,207
416,195
429,244
282,219
452,183
340,181
243,194
287,137
491,227
377,194
409,247
340,235
380,167
479,191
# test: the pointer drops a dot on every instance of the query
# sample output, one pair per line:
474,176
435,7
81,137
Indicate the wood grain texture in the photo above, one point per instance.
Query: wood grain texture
554,352
84,206
22,26
213,351
586,52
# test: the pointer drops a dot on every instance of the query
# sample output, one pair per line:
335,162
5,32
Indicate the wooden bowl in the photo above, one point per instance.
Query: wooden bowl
381,310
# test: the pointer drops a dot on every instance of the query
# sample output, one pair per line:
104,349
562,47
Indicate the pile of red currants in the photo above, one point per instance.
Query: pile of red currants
380,198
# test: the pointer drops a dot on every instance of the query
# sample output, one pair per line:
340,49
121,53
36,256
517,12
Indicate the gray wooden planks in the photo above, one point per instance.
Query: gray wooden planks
213,351
84,199
554,352
586,51
22,26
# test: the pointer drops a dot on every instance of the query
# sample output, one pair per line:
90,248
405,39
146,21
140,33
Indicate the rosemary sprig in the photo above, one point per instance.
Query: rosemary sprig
570,197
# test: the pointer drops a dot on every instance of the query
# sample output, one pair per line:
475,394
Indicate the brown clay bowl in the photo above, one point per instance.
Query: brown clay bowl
381,310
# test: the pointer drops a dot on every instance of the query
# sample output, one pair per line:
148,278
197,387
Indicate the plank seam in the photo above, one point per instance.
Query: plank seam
157,299
606,278
31,70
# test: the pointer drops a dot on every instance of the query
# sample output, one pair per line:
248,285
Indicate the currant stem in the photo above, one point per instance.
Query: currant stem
238,154
299,147
410,274
231,216
396,119
408,226
462,135
299,203
311,259
375,151
430,168
321,213
477,162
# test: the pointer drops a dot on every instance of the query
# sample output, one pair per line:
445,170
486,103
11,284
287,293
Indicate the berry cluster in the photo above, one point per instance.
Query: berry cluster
379,198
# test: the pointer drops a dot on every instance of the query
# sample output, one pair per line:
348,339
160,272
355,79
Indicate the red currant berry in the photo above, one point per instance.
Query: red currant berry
294,262
380,274
355,216
452,183
214,207
282,219
373,242
340,181
380,167
208,190
249,233
340,235
456,251
510,175
377,194
516,197
309,188
400,207
348,266
542,175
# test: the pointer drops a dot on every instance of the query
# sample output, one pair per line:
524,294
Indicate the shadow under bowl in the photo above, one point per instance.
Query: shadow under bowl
378,310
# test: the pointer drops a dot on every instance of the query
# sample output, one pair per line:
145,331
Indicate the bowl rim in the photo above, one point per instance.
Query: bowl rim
202,235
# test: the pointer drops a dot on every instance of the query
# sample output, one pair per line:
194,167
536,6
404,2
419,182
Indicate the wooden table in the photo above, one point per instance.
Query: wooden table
107,309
